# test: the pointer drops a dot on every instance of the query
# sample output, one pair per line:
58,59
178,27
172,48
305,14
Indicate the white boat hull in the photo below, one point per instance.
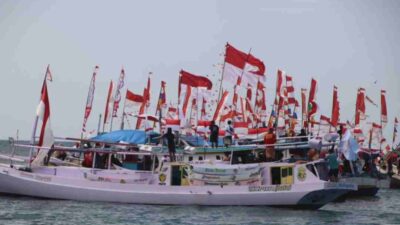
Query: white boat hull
17,182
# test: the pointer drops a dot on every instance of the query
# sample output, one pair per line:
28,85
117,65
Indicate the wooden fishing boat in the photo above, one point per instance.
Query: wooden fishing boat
175,183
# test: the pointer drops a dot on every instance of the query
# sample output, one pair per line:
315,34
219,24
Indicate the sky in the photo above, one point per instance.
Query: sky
350,44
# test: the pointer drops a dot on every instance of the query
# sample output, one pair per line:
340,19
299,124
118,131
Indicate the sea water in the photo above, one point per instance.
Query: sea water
382,209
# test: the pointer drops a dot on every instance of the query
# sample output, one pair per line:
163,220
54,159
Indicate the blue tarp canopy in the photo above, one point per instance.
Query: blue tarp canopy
198,141
128,136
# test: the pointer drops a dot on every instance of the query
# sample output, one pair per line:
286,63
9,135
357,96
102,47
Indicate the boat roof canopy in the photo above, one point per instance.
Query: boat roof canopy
126,136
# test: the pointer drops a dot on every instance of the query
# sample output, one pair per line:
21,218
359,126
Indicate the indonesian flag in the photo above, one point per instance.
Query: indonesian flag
396,124
90,97
202,127
290,90
304,106
324,126
261,103
312,104
109,103
384,118
46,138
194,80
360,106
144,105
117,96
132,103
220,106
335,107
172,113
173,124
242,65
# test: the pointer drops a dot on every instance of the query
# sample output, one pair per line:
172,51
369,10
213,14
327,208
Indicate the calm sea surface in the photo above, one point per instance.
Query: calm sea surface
383,209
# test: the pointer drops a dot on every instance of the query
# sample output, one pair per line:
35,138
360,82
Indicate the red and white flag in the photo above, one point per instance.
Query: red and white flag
384,118
117,96
172,113
242,65
290,90
360,107
90,97
395,130
49,76
46,138
220,106
109,104
335,108
132,103
304,106
175,125
312,104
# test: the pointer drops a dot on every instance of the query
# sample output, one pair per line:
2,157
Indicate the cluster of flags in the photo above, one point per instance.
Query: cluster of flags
247,108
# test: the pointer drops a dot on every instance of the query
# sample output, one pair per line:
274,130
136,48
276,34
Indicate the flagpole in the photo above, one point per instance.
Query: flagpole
123,113
99,124
222,76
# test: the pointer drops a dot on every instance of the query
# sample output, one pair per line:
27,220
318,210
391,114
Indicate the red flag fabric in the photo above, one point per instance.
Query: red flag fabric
46,138
304,106
242,65
90,97
360,106
109,103
384,118
194,80
290,90
335,108
221,104
312,104
396,124
49,76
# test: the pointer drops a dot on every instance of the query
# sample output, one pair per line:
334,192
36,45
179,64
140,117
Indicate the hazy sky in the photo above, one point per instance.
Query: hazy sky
348,43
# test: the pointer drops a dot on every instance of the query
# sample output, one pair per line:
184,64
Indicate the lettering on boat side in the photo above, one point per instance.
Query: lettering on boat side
340,185
301,174
36,177
273,188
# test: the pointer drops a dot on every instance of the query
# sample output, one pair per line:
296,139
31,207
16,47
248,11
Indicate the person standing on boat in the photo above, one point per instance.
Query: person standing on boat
229,132
214,130
171,143
270,141
333,166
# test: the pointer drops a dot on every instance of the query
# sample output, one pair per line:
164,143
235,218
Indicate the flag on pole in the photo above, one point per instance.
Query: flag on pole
49,76
162,99
242,65
360,106
221,104
335,108
117,96
304,107
312,104
396,124
109,103
384,118
132,103
90,97
46,138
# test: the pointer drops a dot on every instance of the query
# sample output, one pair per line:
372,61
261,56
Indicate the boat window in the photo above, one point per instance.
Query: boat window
311,168
200,158
218,157
282,175
190,158
322,168
276,175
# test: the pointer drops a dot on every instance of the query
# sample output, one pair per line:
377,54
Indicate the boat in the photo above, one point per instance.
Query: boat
173,183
